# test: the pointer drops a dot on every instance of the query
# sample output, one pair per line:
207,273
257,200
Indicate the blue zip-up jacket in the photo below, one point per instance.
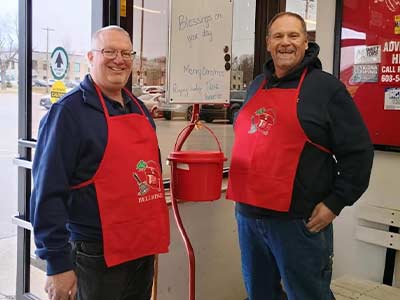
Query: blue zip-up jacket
329,118
71,142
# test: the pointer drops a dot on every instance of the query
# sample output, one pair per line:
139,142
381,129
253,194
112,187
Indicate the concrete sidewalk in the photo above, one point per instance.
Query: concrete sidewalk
8,267
8,272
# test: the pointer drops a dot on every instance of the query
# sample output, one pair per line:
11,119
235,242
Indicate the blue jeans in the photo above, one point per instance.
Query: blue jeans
132,280
275,249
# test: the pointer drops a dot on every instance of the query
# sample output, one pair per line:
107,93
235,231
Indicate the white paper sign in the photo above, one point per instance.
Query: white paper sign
367,54
392,99
200,51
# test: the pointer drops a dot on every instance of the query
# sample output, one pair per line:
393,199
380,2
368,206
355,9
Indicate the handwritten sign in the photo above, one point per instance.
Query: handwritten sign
199,51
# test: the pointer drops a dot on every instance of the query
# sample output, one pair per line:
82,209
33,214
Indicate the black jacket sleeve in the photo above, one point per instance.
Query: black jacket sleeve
352,148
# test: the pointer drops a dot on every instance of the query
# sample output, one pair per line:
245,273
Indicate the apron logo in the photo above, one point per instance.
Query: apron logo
148,178
262,121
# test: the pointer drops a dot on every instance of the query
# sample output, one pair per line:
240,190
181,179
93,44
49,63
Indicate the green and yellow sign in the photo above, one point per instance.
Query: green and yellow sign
57,91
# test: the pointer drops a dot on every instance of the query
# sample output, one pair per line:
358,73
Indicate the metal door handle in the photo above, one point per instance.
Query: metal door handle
21,223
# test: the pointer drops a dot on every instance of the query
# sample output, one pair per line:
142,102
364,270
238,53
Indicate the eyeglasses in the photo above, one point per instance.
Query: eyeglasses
112,53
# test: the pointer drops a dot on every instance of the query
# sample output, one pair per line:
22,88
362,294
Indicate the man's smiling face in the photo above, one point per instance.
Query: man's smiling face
111,74
287,43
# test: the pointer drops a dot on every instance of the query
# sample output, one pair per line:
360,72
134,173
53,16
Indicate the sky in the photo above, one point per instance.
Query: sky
71,27
8,6
69,24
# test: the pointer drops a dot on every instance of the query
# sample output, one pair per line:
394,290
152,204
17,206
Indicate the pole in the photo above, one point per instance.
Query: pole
189,248
306,17
141,45
47,56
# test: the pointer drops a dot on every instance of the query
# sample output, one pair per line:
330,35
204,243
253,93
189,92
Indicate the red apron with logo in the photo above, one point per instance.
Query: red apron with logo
129,189
268,143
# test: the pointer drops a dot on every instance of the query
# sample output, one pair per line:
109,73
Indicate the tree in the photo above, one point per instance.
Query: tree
247,66
8,46
154,69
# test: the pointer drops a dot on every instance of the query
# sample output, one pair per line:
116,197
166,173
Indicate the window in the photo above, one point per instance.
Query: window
308,10
52,28
8,145
149,69
77,67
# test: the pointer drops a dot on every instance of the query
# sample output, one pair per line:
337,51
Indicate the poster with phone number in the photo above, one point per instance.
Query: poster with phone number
370,64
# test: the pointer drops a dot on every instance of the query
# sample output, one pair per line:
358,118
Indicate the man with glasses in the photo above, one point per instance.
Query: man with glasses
98,207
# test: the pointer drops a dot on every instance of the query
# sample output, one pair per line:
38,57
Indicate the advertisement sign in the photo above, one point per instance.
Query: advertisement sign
367,54
370,64
392,98
364,73
390,66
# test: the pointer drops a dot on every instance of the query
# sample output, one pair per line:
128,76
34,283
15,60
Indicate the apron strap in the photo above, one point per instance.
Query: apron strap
82,184
319,146
134,100
103,104
303,75
298,92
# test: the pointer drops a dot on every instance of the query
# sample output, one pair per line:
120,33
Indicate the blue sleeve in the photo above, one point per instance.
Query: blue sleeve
54,162
253,87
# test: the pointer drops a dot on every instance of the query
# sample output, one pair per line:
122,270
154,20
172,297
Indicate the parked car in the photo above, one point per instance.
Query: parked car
153,89
39,82
223,111
159,107
152,102
171,110
71,84
45,101
137,90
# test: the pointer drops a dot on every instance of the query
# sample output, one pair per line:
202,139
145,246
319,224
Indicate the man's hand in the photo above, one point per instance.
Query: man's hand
320,217
61,286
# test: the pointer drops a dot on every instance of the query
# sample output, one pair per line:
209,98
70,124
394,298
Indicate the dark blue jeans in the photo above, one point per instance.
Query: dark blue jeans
275,249
132,280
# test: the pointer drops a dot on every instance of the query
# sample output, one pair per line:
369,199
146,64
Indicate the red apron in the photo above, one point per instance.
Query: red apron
268,143
129,189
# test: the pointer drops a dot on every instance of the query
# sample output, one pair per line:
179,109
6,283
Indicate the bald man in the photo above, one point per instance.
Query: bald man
98,221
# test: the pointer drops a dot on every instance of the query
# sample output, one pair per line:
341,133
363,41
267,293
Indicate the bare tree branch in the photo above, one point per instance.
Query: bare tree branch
8,46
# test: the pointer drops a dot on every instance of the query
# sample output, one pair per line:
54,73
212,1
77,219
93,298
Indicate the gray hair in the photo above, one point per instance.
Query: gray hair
97,34
290,14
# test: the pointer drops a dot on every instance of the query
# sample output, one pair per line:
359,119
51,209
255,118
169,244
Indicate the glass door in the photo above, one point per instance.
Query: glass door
47,28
